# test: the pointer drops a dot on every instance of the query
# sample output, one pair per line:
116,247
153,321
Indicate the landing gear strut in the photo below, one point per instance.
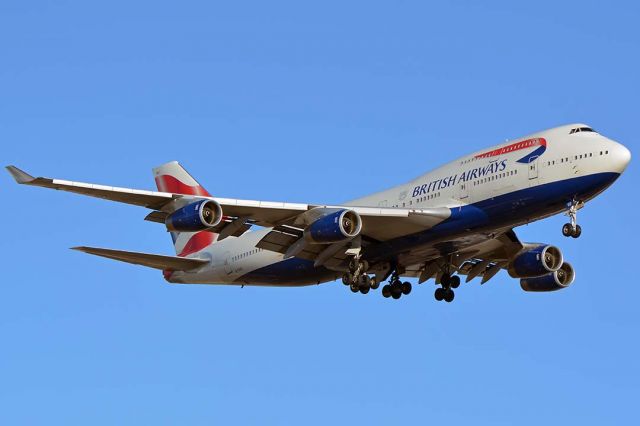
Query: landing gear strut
572,229
396,288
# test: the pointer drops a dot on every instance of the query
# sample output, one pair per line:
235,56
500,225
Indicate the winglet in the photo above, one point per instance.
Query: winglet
19,175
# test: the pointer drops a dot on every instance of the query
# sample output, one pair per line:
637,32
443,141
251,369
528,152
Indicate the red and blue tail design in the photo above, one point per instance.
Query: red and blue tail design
172,177
539,143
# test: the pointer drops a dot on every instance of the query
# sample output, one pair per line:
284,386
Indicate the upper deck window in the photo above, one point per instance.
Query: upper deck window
581,129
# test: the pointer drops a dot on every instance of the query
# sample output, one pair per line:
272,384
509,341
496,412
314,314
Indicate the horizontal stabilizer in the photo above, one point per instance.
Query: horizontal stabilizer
156,261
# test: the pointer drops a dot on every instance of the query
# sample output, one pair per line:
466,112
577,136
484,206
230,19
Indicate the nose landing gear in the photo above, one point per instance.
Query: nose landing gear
572,229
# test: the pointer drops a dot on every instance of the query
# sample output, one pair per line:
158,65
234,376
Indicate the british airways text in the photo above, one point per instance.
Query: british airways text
478,172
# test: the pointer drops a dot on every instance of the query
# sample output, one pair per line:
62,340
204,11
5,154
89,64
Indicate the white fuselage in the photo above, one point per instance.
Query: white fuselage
555,157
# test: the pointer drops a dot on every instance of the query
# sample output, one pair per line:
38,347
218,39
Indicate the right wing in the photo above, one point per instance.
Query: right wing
477,255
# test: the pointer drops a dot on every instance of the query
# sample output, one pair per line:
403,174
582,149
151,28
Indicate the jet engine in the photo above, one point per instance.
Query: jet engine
334,227
536,262
195,217
553,281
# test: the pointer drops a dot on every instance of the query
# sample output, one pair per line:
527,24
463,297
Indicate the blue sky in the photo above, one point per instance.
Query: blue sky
318,103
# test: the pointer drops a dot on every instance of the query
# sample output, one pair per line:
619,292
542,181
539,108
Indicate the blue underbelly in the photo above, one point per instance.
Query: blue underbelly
511,209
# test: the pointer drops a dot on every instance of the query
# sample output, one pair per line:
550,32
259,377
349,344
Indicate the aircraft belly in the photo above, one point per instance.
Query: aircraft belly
499,212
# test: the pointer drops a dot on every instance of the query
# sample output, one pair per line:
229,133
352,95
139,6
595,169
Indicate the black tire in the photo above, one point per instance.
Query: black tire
386,291
346,279
439,294
449,295
374,283
406,288
567,230
445,280
577,232
454,281
396,290
354,288
365,290
363,281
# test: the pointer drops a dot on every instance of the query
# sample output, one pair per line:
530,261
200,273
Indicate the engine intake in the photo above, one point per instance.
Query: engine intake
195,217
334,227
557,280
536,262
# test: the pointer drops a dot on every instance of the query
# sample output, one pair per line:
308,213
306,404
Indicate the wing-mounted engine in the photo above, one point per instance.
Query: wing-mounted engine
535,260
334,227
198,216
553,281
322,234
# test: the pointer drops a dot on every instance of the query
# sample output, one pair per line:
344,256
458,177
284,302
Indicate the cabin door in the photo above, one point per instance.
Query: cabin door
533,169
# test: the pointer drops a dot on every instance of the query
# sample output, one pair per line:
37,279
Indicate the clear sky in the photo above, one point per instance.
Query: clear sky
318,103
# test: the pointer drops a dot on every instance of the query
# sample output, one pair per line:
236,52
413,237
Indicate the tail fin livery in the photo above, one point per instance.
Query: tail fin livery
172,177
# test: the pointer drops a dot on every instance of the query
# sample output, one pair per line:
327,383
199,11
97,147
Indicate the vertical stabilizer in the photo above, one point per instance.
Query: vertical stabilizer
172,177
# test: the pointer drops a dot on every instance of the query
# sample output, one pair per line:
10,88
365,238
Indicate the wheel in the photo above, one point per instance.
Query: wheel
346,279
396,290
363,280
406,288
567,230
364,265
445,280
374,283
386,290
354,288
449,295
577,232
439,294
454,281
363,284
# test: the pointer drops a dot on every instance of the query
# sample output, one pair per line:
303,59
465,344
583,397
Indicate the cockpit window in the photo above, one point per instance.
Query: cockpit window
581,129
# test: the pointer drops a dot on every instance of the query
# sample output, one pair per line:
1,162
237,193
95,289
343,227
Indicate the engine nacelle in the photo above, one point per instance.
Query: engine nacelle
195,217
536,262
553,281
334,227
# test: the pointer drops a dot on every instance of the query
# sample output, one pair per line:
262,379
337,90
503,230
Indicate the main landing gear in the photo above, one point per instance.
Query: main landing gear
572,229
396,288
446,293
357,279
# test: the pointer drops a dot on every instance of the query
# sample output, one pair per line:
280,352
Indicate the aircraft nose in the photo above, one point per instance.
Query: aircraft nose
621,157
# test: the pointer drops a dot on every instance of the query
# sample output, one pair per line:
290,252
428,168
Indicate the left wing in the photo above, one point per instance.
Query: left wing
379,223
148,199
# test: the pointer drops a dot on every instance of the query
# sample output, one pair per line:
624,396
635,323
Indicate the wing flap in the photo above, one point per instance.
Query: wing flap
156,261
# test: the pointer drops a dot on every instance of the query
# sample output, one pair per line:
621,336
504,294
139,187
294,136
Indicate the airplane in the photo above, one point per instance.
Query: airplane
455,220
